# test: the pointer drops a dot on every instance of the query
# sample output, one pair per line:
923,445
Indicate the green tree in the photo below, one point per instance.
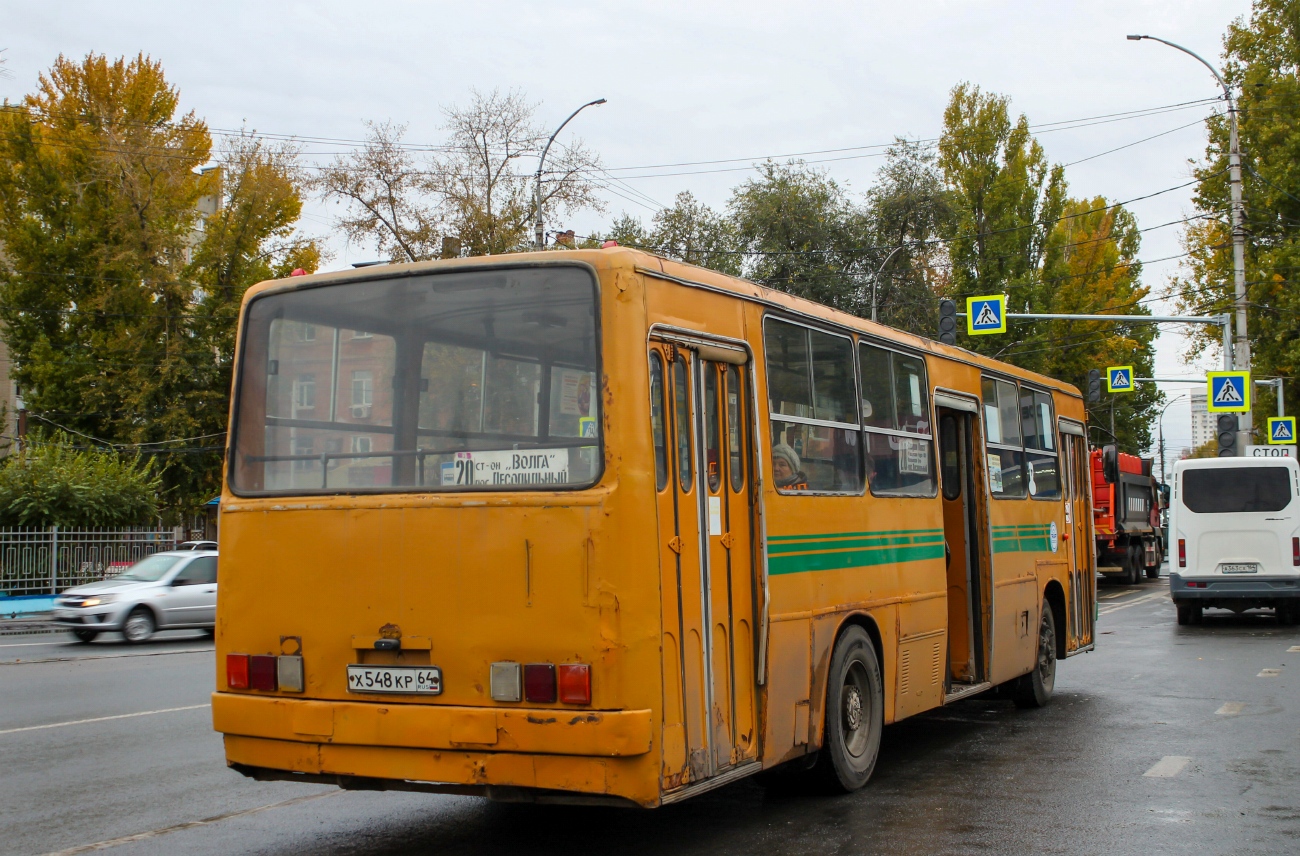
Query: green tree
804,235
1016,232
908,209
1261,54
51,482
689,231
118,292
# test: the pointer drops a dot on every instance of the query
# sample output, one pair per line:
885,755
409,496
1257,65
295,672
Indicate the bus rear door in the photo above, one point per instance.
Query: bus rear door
706,549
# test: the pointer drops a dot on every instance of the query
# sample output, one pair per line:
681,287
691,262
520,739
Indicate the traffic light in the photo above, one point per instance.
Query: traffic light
1094,384
1227,435
948,321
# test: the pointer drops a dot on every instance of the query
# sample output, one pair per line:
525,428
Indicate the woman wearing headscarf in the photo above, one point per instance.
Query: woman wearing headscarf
785,468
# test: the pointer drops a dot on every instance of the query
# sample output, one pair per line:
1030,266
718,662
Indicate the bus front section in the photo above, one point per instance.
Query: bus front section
416,535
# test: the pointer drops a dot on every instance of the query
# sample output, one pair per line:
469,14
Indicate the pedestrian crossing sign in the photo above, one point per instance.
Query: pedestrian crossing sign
1227,392
1281,429
1119,378
987,314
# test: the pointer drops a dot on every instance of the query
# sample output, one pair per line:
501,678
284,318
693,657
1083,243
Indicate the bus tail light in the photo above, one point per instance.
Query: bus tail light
575,683
1182,552
505,683
261,672
237,671
539,682
1295,551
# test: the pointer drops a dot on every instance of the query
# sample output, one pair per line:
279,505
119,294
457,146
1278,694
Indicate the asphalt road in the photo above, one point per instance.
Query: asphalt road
1166,739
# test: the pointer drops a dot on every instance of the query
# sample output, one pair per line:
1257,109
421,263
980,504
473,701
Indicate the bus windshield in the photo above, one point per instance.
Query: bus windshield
1236,490
463,380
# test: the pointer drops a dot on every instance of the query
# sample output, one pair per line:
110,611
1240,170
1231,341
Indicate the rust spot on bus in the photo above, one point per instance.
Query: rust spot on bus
537,720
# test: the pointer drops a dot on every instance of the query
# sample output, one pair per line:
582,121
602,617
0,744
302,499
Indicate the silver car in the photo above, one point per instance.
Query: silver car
165,591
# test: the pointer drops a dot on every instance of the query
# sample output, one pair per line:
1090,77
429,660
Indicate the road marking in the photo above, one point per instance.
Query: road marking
1168,767
1109,608
154,833
1231,708
1269,673
106,656
103,718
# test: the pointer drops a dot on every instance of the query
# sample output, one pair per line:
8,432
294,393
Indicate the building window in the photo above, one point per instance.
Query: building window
361,334
304,392
307,333
361,445
362,393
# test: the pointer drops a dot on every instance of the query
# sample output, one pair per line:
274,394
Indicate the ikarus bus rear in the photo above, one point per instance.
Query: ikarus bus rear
596,526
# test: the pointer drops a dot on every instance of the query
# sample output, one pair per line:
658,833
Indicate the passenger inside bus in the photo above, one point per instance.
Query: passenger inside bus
785,468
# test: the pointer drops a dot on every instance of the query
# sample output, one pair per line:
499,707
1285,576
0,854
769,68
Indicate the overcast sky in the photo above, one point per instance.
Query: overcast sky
689,82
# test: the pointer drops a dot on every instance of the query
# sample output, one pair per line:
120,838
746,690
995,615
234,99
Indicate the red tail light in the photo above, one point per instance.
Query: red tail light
1295,551
1182,552
261,672
539,682
237,671
575,683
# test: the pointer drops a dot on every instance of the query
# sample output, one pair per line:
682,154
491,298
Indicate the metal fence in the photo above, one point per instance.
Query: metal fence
47,561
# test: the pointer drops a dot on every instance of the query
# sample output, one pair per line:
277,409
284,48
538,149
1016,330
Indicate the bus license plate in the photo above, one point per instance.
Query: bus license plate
1239,568
418,680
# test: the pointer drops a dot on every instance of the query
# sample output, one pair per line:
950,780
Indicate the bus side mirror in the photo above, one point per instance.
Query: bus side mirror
1110,464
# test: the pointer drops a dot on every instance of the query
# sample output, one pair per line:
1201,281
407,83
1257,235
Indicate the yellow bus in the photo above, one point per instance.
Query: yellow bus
597,526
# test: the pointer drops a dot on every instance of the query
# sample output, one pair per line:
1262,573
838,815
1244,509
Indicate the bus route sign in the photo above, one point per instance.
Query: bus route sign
1281,430
1227,392
987,314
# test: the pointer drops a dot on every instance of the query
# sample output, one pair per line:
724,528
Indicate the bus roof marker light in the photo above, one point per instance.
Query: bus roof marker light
539,683
505,683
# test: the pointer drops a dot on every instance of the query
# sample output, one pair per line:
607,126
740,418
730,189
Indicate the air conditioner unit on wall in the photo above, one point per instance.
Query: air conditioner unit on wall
361,411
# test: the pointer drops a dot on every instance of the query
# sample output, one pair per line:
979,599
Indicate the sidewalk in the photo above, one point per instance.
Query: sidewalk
38,622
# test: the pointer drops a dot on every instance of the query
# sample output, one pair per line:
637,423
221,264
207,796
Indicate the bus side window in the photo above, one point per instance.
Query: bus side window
1006,455
1042,458
658,432
896,423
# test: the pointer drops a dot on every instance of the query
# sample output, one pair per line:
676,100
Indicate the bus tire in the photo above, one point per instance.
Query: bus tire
1035,689
855,714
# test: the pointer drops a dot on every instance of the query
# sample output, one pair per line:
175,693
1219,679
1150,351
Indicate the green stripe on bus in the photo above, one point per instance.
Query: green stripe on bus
853,543
853,559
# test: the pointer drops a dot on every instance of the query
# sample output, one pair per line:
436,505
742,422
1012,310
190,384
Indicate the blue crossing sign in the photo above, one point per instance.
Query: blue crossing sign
987,314
1227,392
1281,429
1119,378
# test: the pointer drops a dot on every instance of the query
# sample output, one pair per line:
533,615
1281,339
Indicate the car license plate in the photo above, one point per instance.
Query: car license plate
1239,568
419,680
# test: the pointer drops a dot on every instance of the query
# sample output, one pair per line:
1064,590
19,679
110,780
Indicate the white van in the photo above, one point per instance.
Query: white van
1235,527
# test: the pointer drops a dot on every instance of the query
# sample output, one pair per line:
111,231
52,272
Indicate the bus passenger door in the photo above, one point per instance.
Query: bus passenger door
724,485
967,601
1083,576
685,727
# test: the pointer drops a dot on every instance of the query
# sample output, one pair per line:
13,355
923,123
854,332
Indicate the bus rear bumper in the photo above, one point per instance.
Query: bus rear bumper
1215,590
518,755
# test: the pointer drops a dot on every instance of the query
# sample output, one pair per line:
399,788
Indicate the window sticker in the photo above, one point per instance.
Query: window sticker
995,472
914,457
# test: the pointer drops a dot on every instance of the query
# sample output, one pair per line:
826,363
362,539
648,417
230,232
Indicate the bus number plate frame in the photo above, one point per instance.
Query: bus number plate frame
404,680
1239,568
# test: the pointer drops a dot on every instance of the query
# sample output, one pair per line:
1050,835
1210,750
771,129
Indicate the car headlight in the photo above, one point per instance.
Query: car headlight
99,599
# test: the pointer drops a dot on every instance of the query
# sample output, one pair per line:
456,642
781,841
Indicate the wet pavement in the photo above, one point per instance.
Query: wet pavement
1166,739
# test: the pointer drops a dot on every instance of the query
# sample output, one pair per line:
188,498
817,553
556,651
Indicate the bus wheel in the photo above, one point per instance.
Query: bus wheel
1035,688
855,714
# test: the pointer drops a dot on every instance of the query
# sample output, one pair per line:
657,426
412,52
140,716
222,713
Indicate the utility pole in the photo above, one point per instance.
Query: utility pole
1241,352
539,236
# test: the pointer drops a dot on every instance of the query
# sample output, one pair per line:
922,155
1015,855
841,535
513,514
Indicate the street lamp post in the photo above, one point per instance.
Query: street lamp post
1161,427
539,237
1241,356
875,281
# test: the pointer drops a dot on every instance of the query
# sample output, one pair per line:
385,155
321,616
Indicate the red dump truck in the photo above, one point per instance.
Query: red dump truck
1126,503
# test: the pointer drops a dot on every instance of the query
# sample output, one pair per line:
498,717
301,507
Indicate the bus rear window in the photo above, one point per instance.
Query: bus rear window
1236,490
456,380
